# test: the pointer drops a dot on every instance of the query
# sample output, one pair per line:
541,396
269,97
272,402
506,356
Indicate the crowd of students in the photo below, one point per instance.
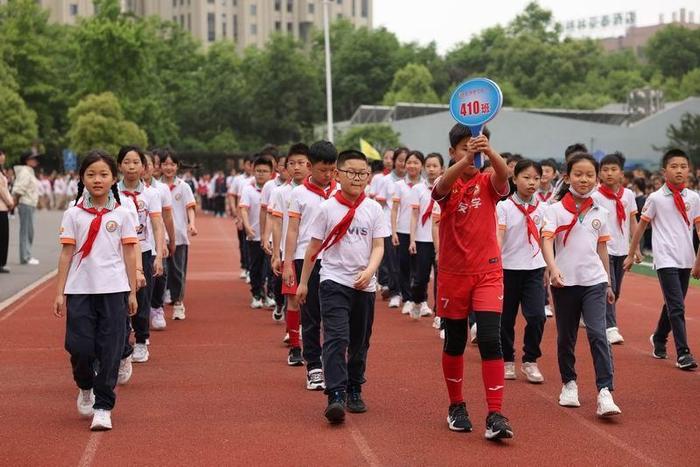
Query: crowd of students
321,236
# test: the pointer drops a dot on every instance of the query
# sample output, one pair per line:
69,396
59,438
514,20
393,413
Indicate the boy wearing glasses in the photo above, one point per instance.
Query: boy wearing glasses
303,206
349,229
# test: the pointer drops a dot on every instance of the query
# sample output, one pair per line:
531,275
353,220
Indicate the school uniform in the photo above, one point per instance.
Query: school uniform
347,313
523,275
389,269
159,283
274,283
235,189
304,203
148,208
545,196
585,287
279,202
97,290
407,200
674,256
183,199
250,200
424,260
619,226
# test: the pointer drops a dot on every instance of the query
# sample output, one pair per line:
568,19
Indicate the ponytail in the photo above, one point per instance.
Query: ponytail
81,188
115,192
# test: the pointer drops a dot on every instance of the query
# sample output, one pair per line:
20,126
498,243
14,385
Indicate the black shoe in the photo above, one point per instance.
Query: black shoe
658,349
385,293
458,418
497,427
335,412
295,358
277,314
355,404
686,362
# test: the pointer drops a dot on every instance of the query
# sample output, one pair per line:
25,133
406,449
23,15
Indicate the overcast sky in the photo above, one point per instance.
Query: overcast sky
449,22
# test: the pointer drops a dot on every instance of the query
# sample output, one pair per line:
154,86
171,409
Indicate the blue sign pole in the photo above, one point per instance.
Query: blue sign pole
474,103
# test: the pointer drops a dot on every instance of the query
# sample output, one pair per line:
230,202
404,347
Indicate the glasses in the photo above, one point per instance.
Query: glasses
262,172
351,174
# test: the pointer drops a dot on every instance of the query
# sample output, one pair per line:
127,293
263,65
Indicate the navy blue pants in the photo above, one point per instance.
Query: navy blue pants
159,284
523,289
617,272
390,268
243,248
95,331
348,315
256,268
404,262
311,317
177,273
421,264
674,286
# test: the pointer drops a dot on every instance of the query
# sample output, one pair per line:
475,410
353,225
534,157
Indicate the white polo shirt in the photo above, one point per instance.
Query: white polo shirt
517,252
407,201
103,270
619,243
671,237
303,204
183,199
375,184
278,208
266,193
343,261
385,194
250,199
424,233
148,207
578,261
244,181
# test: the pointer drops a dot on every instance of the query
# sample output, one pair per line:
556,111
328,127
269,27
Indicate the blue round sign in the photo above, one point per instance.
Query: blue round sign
475,102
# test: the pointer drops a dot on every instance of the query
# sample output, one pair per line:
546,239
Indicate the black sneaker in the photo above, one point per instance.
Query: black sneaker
658,349
497,427
277,314
355,404
686,362
335,412
295,358
458,418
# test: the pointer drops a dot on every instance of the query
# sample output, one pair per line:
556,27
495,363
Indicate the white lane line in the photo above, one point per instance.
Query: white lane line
90,450
28,291
363,447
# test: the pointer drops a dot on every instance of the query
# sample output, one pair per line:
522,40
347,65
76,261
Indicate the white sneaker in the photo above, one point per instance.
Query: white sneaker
395,302
509,370
270,302
569,395
407,307
286,338
581,323
33,262
472,334
86,399
247,277
442,334
256,303
167,299
614,336
414,312
140,354
148,341
158,319
243,274
548,311
179,311
425,310
606,405
102,420
314,380
436,322
125,370
532,372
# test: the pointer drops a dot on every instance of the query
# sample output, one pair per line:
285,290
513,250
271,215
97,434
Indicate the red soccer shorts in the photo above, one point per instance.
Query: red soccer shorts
458,295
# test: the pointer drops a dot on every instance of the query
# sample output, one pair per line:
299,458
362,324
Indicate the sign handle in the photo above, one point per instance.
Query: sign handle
478,157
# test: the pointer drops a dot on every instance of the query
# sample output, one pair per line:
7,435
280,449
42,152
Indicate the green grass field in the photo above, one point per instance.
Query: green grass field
646,269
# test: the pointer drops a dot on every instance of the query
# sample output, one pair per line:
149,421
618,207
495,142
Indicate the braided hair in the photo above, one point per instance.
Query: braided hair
97,155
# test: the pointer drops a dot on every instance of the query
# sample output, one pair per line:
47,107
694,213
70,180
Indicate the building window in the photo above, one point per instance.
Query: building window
354,10
182,21
312,8
290,6
182,2
290,28
340,16
278,26
211,2
174,3
340,2
278,5
223,29
365,8
73,9
211,27
253,9
235,27
189,22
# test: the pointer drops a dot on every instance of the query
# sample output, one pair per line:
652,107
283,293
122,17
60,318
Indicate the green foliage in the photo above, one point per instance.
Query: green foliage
97,122
18,128
412,83
674,50
381,136
686,136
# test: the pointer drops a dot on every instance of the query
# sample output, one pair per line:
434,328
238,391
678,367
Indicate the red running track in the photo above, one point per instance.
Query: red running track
217,391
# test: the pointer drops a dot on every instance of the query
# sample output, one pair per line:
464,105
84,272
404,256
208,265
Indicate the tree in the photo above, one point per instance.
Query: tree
18,128
674,50
686,136
690,84
412,83
379,135
97,121
536,21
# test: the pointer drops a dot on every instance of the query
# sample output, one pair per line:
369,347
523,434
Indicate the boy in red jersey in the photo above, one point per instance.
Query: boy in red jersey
470,274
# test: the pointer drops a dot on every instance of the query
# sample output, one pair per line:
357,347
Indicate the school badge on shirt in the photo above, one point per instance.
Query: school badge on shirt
111,226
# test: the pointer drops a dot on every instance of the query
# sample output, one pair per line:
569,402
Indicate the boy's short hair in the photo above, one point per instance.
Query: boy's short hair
615,158
641,184
264,160
549,163
324,152
376,166
671,153
574,148
350,155
514,158
459,132
298,148
270,150
251,157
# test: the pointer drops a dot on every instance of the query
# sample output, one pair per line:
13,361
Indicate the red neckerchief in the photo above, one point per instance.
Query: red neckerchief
93,231
313,188
532,230
133,195
172,187
676,190
429,210
570,205
617,197
545,197
341,228
386,171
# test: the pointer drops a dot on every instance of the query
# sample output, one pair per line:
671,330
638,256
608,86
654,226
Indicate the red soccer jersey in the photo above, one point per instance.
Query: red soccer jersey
468,242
